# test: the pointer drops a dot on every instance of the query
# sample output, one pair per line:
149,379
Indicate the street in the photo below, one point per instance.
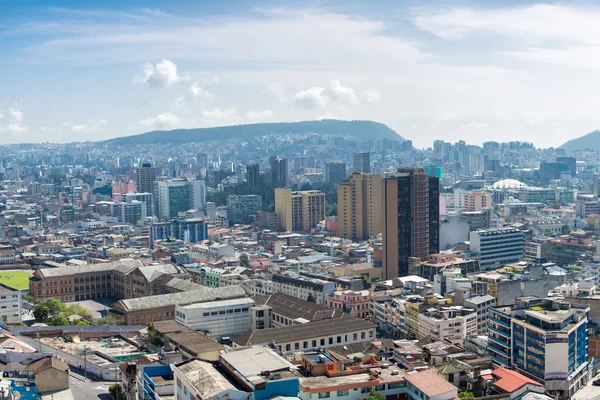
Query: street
87,389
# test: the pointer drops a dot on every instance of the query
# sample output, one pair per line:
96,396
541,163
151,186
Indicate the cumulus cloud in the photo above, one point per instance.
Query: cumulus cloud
259,116
195,91
371,96
160,75
162,121
16,114
14,121
218,114
275,91
313,97
334,93
93,125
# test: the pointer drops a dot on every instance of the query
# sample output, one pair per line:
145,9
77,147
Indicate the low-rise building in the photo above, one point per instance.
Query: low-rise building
11,304
217,318
349,301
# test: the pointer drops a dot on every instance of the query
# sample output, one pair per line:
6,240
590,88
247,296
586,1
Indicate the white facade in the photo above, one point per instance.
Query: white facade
494,248
10,305
453,328
198,194
218,318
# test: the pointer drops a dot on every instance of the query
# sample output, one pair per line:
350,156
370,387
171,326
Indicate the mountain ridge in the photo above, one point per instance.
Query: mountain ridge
361,129
590,140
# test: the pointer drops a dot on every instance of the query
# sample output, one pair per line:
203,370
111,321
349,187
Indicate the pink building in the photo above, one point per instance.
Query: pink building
349,301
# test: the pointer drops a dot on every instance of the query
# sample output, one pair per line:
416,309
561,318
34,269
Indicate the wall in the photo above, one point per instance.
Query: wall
51,380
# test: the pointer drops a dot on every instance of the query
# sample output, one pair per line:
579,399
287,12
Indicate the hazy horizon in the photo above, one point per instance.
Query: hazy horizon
476,71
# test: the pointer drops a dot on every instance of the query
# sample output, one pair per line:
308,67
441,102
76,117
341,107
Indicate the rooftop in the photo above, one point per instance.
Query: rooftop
205,378
429,382
253,361
511,380
294,308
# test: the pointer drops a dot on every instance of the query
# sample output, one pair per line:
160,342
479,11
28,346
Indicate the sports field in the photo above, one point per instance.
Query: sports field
15,279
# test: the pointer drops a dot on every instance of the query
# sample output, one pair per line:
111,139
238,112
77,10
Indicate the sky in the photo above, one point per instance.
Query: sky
451,70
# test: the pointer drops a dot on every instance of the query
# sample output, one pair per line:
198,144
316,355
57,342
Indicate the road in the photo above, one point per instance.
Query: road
588,392
87,389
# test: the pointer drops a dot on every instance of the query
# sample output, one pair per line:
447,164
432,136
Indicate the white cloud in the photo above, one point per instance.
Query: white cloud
371,96
475,125
195,91
160,75
93,125
15,114
14,121
161,121
313,97
260,116
274,90
334,93
218,114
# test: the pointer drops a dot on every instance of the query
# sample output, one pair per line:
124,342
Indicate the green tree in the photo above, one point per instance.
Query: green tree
592,224
55,305
565,229
374,395
466,395
332,209
60,320
153,336
244,260
115,391
108,320
40,312
77,309
82,322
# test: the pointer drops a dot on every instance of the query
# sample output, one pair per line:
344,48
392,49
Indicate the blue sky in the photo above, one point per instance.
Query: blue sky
488,70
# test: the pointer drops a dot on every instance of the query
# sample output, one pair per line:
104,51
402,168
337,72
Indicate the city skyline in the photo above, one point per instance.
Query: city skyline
472,71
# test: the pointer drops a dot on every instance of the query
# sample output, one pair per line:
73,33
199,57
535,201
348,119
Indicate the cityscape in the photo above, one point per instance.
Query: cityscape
280,255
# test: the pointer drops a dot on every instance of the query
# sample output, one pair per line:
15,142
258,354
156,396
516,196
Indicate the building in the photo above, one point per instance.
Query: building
202,160
335,172
279,172
241,209
359,206
179,195
129,212
196,379
145,177
11,304
191,230
544,339
361,162
437,263
428,385
349,301
146,198
217,318
253,175
410,219
494,248
309,289
299,211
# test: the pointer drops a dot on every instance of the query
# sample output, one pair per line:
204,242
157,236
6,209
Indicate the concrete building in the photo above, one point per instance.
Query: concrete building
241,209
335,172
349,301
217,318
410,207
179,195
129,212
145,177
299,211
279,172
253,175
196,379
146,198
11,305
544,339
359,206
361,162
494,248
310,289
191,230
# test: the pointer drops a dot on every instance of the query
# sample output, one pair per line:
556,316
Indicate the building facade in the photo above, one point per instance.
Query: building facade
361,162
494,248
299,211
217,318
242,208
359,206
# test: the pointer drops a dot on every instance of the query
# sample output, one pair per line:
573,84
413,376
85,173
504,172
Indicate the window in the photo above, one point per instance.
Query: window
324,395
330,340
341,393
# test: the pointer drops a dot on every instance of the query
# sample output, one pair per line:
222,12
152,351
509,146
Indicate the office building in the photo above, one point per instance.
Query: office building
410,223
217,318
544,339
494,248
361,162
253,175
191,230
146,198
359,206
335,172
129,212
241,209
178,196
279,172
202,160
299,211
145,178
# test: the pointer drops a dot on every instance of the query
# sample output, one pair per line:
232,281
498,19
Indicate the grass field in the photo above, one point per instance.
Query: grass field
15,279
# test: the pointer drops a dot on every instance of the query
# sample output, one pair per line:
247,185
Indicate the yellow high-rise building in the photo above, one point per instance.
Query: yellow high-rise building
299,211
359,206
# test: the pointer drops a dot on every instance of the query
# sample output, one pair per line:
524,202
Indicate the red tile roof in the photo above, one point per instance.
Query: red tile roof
510,380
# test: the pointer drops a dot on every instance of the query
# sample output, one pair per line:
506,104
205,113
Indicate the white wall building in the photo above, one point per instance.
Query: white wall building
11,304
496,247
218,318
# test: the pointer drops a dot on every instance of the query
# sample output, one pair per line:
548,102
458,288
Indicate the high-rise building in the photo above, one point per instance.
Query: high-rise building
252,175
359,206
410,223
279,172
179,195
146,198
299,211
129,212
361,162
145,178
335,172
241,208
202,160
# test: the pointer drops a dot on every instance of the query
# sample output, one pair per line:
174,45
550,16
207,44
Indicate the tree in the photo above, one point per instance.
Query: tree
332,210
77,309
108,320
565,229
40,312
592,224
114,391
153,336
244,260
374,395
60,320
55,305
466,395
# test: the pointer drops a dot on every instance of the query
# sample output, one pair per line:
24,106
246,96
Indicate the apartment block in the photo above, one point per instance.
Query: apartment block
299,211
359,206
497,247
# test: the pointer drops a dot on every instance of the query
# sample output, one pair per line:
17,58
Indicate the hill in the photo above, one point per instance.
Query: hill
589,141
357,129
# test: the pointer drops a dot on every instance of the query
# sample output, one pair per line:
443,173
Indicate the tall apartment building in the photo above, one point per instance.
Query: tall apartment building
242,208
361,162
496,247
253,175
279,172
179,195
335,172
191,230
410,223
359,206
146,198
299,211
545,339
145,178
